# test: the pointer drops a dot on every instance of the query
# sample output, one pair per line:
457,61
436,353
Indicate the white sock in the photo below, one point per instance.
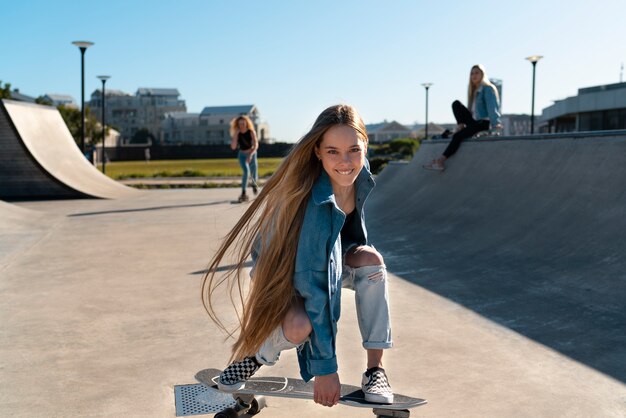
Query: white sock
270,349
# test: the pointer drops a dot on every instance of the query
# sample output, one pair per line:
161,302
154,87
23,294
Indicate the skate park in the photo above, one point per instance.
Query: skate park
506,284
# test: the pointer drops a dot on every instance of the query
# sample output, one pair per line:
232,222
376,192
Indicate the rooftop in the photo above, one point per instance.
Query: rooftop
149,91
228,110
59,97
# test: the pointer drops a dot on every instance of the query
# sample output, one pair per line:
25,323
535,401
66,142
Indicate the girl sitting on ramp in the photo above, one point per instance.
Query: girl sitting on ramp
484,102
307,238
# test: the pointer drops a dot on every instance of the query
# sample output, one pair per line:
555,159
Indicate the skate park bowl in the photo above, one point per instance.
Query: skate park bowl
20,228
529,232
40,160
506,289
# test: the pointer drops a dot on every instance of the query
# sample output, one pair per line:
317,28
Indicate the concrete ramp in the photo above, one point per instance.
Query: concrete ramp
20,229
39,158
529,233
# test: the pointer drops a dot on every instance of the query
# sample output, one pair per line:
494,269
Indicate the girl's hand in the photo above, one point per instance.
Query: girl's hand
233,141
327,389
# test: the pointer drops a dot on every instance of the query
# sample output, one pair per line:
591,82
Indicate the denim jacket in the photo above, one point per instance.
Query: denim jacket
318,268
487,105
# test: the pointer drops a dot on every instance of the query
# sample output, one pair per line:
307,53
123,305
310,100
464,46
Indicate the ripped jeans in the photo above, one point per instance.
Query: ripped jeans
372,310
372,303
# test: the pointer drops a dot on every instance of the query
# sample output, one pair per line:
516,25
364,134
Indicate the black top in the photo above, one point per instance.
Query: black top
347,230
245,140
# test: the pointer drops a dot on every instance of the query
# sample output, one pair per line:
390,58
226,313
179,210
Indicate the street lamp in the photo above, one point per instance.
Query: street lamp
533,60
82,45
104,79
426,86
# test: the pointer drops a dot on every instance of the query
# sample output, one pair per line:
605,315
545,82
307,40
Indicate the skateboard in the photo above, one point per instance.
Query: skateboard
255,190
251,399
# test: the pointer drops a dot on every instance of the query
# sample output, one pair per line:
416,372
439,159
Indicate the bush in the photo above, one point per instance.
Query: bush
378,163
404,146
398,149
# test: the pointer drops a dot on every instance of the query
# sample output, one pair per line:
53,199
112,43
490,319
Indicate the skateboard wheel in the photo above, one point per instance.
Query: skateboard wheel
227,413
257,404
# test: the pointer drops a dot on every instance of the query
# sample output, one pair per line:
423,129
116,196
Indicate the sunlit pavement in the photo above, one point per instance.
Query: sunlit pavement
102,316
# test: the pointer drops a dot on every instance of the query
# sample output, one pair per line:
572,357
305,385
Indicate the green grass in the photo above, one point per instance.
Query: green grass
215,167
206,185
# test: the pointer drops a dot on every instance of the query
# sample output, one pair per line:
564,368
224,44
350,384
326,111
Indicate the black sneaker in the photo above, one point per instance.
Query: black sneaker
234,377
376,386
243,198
254,189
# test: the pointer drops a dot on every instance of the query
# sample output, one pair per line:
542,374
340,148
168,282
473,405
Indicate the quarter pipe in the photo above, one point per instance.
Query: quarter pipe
39,158
528,232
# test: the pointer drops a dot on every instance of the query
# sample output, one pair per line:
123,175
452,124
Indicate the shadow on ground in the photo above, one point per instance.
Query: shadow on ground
527,233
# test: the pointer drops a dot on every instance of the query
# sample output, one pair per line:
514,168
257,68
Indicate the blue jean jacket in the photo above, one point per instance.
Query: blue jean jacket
487,105
318,268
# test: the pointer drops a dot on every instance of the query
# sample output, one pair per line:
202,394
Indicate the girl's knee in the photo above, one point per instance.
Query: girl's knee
297,326
364,256
297,330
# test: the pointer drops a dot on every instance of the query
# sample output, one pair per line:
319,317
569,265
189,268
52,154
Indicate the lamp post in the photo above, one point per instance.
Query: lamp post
533,60
426,86
104,79
82,45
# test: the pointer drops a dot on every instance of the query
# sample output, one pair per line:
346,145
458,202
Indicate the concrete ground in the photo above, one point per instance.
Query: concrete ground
101,317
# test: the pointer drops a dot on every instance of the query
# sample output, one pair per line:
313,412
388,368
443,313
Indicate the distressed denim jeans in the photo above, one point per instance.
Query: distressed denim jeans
372,303
249,170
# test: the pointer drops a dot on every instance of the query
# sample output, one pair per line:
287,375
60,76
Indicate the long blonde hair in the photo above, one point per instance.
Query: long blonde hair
484,81
276,216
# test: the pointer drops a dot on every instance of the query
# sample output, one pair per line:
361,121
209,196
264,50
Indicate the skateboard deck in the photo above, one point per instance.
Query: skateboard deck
296,388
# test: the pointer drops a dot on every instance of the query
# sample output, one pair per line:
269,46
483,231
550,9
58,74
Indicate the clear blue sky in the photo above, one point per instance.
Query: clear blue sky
294,58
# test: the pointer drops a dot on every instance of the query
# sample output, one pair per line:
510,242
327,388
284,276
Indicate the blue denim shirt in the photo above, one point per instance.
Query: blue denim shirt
487,105
318,268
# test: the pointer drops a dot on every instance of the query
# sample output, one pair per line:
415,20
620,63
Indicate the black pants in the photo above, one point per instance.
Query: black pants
472,127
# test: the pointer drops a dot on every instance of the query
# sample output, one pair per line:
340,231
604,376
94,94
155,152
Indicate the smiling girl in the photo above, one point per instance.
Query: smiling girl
307,238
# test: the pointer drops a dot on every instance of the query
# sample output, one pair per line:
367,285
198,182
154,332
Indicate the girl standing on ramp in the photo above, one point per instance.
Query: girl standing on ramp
484,102
244,138
307,238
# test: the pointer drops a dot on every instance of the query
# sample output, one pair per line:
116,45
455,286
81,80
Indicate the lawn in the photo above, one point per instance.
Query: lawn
216,167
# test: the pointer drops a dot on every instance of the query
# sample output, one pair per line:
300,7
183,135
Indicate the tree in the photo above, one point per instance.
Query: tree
43,101
72,116
142,136
5,92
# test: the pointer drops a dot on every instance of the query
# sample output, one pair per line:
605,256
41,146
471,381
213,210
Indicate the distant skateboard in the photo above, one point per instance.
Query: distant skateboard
250,400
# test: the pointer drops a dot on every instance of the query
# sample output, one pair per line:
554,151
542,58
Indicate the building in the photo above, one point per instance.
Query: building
385,131
211,126
20,97
435,130
60,99
596,108
184,128
131,113
515,124
498,83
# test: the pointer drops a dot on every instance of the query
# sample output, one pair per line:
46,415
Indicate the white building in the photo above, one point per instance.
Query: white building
513,124
211,126
595,108
146,109
385,131
60,99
